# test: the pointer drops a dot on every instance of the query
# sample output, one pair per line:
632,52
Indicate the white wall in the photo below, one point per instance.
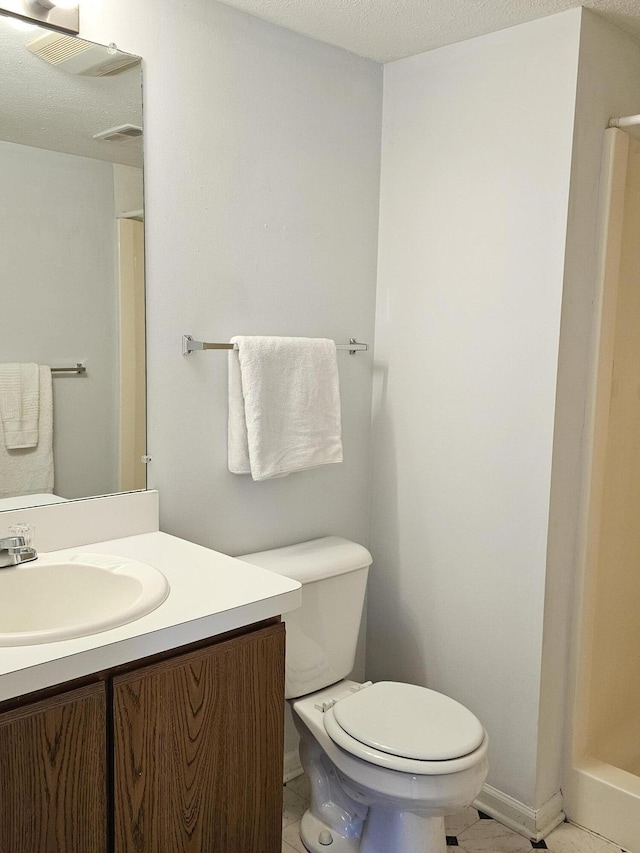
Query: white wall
476,160
262,178
262,167
57,251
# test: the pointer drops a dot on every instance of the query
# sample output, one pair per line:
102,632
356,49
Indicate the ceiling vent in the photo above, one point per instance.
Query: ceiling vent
121,133
77,56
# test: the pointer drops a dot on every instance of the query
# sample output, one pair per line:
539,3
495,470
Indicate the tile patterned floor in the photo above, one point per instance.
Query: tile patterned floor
470,831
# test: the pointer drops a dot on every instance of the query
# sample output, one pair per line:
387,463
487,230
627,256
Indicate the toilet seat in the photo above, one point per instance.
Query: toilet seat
407,728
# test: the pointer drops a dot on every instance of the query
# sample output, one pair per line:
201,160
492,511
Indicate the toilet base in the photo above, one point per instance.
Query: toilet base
408,832
402,832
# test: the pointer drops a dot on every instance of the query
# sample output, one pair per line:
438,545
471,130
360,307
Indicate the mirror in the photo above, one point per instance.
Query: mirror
72,269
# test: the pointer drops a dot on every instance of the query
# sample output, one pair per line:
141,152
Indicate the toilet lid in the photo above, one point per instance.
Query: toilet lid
409,721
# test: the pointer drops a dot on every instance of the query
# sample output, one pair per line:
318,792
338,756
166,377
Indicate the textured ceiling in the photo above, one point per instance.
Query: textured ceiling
385,30
45,107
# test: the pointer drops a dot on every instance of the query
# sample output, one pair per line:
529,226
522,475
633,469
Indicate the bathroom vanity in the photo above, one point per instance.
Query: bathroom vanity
164,734
178,752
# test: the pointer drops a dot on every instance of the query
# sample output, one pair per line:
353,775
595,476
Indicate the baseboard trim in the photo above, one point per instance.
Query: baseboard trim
534,824
292,766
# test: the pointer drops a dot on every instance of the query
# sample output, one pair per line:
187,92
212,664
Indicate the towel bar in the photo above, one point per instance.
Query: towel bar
189,346
79,368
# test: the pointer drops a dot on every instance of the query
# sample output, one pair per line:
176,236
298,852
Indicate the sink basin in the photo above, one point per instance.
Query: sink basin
48,600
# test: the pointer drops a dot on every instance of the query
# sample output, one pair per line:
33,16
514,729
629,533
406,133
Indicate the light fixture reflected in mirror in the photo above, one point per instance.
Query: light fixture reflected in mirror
56,14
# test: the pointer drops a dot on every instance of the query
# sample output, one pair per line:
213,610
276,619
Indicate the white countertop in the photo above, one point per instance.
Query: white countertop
210,594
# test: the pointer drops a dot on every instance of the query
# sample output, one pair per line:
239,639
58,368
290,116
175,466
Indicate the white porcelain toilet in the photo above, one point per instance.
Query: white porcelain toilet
386,761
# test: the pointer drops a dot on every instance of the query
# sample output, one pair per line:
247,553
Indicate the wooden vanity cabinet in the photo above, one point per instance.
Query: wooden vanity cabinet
53,774
180,755
198,750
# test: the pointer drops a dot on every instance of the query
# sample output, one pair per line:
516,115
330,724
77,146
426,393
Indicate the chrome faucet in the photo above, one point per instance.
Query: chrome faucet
14,551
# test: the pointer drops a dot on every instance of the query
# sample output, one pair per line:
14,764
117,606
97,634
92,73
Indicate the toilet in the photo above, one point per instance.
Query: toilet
386,761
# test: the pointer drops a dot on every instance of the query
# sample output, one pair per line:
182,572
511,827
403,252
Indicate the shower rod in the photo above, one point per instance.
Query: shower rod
624,121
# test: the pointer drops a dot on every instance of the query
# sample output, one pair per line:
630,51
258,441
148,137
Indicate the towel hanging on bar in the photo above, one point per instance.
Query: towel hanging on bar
20,404
284,406
28,471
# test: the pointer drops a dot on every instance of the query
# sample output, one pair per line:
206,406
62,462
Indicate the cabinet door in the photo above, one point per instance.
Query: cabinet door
53,775
198,750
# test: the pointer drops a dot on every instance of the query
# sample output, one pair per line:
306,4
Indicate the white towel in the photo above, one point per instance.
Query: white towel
28,471
284,406
19,404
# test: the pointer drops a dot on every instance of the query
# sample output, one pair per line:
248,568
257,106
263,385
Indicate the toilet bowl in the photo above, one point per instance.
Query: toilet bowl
393,802
386,761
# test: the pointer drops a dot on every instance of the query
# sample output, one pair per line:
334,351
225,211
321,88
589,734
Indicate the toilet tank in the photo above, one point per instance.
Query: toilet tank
322,633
